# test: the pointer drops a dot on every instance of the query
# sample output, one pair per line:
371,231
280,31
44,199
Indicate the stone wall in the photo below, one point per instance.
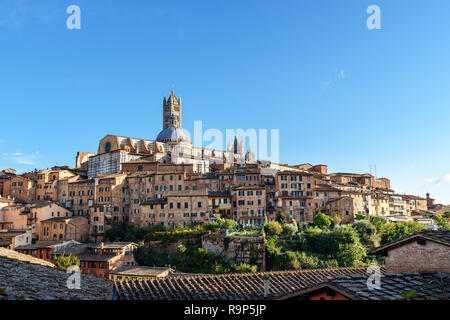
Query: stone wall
236,249
413,257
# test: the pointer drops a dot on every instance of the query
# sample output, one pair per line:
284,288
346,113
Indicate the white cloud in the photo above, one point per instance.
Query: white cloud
326,83
443,179
21,158
340,76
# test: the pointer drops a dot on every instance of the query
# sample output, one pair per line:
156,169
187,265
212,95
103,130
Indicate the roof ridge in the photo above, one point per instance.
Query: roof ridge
14,255
265,273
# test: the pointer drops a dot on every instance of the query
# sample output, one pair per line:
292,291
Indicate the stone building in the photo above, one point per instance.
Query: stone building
37,212
220,204
13,239
20,187
249,205
177,208
64,228
81,196
47,183
100,259
13,217
423,251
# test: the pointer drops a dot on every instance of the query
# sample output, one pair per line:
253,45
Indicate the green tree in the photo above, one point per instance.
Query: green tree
337,220
359,216
227,224
181,249
342,244
322,221
281,218
62,261
290,229
273,228
367,234
243,268
396,230
442,222
379,223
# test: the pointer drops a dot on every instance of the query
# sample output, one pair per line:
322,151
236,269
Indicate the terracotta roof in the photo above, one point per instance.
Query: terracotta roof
112,245
141,271
439,236
14,255
12,233
427,286
96,257
246,286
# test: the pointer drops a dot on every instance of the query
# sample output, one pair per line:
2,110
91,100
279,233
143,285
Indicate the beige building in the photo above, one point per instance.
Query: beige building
177,208
249,205
64,228
39,212
81,196
47,183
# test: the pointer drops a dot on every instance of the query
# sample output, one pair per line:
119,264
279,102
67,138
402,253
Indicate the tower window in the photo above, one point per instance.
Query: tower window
108,147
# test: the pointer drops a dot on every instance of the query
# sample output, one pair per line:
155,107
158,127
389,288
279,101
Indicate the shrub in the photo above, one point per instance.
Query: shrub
360,217
281,218
181,249
290,229
322,221
367,234
227,224
273,228
442,222
243,268
396,230
62,262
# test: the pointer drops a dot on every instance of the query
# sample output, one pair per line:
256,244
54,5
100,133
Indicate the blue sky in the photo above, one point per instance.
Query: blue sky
340,94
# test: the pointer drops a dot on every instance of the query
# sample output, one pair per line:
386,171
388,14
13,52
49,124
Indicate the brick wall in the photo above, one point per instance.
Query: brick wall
413,257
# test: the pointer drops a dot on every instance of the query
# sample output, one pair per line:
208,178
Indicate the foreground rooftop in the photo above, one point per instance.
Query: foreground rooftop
244,286
23,277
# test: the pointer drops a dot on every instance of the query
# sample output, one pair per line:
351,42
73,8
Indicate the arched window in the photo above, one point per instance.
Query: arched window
108,147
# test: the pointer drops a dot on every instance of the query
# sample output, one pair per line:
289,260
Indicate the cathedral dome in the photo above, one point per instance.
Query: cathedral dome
172,134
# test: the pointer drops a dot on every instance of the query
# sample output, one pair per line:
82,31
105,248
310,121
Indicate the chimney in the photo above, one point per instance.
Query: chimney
266,286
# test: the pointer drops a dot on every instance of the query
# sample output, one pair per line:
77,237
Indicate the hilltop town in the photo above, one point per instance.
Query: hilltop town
168,183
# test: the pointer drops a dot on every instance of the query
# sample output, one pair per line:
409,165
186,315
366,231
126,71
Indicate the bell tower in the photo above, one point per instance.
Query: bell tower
172,111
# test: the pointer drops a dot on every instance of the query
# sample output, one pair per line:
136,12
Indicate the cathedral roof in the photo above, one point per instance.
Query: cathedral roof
172,134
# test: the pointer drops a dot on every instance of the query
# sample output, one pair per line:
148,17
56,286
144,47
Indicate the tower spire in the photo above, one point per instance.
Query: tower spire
172,111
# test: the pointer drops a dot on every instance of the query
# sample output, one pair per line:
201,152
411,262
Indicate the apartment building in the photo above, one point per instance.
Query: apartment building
64,228
81,195
21,188
249,205
177,208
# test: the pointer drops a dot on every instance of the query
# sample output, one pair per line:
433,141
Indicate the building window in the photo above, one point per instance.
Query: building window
107,147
